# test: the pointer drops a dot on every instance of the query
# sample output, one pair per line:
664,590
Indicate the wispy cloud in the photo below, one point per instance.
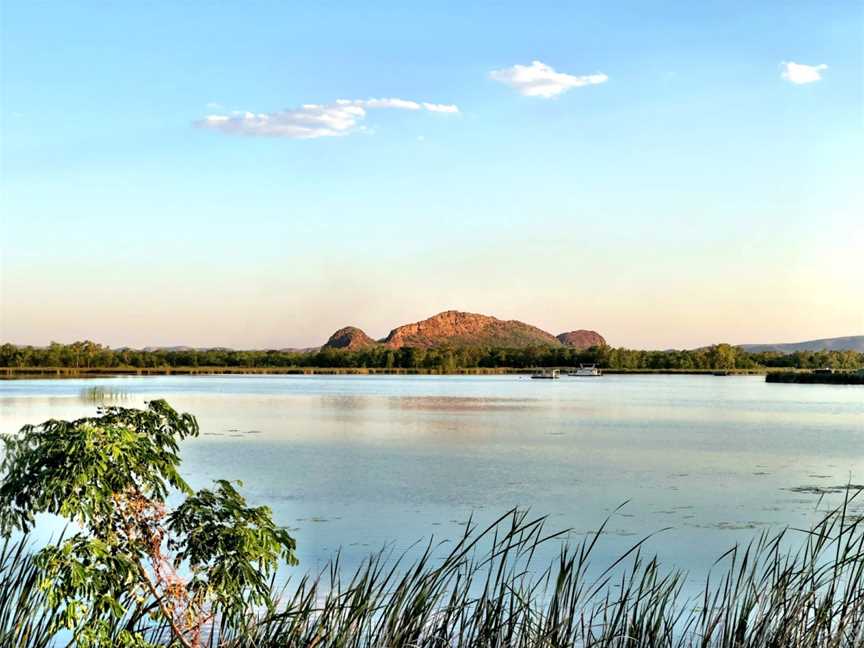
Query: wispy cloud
541,80
311,121
799,74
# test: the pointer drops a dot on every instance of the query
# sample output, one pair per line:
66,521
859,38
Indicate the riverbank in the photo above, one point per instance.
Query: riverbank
97,372
817,377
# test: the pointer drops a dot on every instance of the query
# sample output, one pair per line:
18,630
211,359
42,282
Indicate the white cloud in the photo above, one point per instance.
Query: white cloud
442,108
799,74
402,104
311,121
540,80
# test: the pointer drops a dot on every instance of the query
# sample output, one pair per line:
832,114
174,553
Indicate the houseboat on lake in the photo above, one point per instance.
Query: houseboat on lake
586,371
546,374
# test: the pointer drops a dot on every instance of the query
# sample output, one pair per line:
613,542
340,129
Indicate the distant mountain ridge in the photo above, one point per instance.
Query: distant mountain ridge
460,329
848,343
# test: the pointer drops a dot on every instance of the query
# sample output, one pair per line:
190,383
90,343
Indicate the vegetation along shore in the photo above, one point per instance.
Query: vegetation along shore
96,372
824,377
88,359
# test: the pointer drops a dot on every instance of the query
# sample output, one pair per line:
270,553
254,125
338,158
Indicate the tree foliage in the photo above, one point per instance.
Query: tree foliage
441,359
112,475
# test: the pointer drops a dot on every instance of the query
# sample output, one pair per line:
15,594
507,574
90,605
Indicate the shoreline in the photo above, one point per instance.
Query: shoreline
817,378
59,373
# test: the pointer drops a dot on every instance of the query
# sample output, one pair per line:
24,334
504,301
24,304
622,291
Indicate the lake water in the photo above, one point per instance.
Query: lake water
360,462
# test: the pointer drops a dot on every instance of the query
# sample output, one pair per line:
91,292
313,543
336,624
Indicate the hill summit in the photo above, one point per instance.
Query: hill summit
581,339
349,338
454,328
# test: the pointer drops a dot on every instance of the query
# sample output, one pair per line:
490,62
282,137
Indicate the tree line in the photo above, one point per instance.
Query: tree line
89,354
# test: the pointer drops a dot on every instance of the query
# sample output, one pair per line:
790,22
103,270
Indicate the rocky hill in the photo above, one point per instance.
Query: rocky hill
581,339
349,338
455,328
458,329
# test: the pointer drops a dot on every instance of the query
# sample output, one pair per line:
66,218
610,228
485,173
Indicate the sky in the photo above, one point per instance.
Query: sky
259,174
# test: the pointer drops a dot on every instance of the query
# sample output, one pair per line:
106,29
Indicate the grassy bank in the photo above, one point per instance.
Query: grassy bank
95,372
816,377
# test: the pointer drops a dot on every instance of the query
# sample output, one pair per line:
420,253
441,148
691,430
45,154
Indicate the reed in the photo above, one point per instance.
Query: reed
486,589
26,619
101,395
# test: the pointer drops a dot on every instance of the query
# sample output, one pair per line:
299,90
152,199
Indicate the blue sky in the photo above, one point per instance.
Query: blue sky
694,195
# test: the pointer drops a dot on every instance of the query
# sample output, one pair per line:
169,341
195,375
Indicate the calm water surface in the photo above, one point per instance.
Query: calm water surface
359,462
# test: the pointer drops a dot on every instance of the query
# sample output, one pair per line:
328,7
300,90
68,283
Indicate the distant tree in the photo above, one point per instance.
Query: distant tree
721,356
411,357
10,355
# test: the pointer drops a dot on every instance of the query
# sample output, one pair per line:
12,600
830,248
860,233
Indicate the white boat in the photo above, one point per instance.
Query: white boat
586,370
546,374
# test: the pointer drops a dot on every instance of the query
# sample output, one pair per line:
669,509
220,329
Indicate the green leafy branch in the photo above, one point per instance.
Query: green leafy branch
133,558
